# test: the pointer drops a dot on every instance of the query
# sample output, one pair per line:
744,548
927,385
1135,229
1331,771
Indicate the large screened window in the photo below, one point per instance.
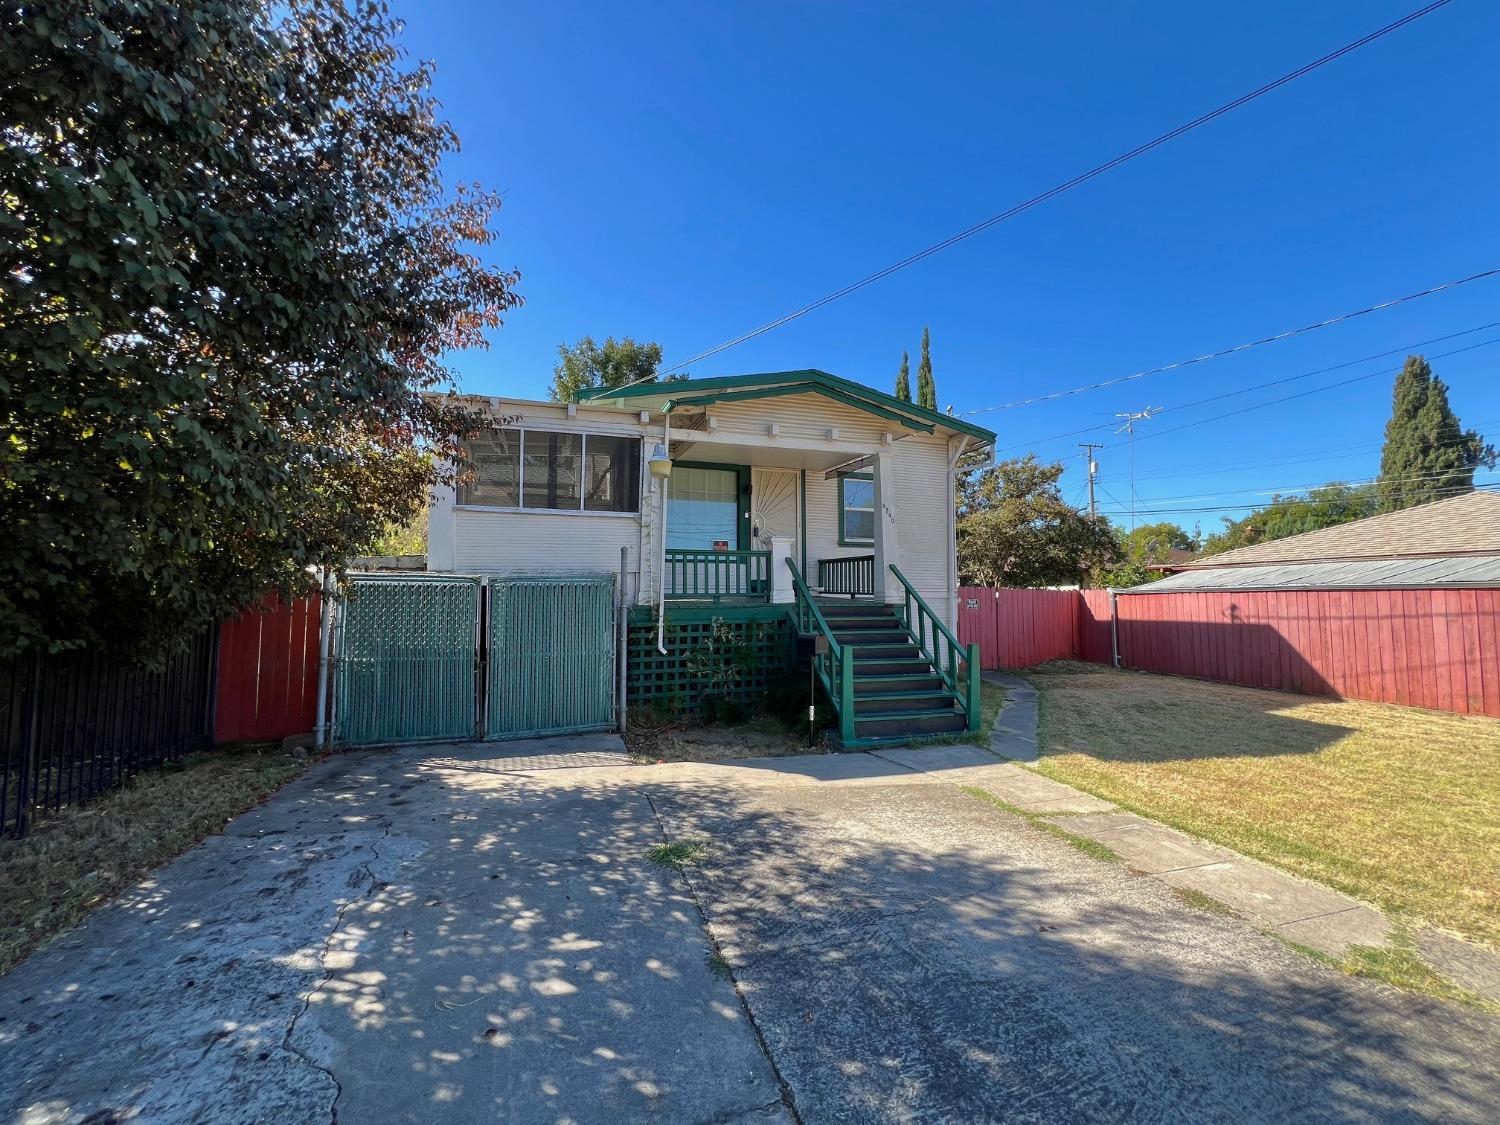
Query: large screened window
552,471
856,510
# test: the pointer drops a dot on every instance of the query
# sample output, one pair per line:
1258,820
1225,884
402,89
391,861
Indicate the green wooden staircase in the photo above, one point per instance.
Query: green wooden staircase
894,672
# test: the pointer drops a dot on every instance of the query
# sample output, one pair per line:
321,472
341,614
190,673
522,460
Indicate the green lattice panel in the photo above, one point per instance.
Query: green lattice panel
406,659
700,658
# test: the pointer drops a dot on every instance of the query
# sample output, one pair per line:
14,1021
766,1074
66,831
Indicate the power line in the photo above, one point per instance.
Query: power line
1245,507
1304,394
1347,452
1221,353
1068,185
1293,490
1268,383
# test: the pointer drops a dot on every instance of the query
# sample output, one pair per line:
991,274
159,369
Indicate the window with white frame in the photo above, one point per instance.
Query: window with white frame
856,510
554,471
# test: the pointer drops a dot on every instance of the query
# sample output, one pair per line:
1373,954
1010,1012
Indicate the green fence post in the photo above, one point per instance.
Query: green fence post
975,712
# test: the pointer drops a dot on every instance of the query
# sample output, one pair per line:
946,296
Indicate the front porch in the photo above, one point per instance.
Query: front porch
732,523
748,577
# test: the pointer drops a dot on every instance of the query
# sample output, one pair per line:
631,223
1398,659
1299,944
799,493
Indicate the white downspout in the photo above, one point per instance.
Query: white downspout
661,597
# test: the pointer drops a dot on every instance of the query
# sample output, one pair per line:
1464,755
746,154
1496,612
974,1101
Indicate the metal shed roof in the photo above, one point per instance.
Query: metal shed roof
1356,574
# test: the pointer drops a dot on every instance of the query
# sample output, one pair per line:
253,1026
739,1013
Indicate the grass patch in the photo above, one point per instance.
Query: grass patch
1398,965
1200,901
677,854
718,965
1397,806
1082,843
77,859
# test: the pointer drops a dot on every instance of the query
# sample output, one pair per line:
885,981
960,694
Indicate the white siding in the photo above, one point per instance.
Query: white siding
923,503
803,419
537,543
501,542
922,517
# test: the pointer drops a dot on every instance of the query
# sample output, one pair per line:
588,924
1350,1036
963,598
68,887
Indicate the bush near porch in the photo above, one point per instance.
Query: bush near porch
1398,806
721,662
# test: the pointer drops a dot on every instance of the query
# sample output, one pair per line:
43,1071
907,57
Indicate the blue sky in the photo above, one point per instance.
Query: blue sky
683,172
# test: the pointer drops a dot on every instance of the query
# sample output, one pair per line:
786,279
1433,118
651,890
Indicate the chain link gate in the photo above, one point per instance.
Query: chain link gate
407,653
551,656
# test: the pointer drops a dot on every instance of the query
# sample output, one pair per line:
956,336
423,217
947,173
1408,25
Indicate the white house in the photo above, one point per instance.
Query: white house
816,499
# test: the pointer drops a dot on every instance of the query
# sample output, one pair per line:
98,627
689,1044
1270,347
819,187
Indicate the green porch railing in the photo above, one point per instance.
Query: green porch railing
854,575
946,653
715,575
834,668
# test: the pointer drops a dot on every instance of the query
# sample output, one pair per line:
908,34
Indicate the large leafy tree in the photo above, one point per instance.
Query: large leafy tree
614,363
1148,544
1427,454
229,272
903,379
1327,506
1015,529
926,388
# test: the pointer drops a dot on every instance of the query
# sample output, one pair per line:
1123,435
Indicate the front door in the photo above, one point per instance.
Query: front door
773,509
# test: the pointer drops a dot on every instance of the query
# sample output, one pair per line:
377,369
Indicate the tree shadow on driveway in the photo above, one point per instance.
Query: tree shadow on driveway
401,936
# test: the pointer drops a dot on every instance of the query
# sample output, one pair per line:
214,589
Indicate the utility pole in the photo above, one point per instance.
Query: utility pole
1131,417
1088,448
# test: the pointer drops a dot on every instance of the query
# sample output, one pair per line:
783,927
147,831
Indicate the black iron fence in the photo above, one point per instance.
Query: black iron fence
75,725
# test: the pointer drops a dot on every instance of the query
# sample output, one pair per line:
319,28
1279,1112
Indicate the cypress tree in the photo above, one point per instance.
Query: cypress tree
903,379
1427,456
926,388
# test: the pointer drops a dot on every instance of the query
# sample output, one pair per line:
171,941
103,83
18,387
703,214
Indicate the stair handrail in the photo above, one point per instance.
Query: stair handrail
918,626
836,668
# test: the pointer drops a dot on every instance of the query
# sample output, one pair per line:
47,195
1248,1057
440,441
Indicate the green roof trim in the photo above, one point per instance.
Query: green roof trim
791,389
685,391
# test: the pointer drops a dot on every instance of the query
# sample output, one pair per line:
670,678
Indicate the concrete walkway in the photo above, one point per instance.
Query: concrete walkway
1301,911
432,934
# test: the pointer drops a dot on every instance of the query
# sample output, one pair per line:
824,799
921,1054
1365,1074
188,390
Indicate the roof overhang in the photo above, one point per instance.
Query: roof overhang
686,394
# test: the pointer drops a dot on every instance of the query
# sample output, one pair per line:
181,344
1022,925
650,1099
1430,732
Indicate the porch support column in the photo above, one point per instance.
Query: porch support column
781,578
887,538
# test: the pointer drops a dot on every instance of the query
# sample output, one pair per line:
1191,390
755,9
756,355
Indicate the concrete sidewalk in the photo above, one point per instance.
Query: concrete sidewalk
1300,911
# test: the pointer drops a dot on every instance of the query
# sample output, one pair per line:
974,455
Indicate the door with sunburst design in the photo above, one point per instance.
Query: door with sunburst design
773,506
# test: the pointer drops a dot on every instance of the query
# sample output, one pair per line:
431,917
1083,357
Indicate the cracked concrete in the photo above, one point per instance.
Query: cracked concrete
429,934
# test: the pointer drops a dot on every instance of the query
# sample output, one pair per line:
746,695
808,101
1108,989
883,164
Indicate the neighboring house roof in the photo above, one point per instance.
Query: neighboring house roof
1461,525
773,384
1356,574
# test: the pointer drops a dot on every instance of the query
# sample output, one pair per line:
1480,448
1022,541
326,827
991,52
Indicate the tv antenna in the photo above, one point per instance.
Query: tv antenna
1132,418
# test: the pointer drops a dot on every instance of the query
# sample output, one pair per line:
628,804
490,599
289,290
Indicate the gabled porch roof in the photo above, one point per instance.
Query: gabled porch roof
670,395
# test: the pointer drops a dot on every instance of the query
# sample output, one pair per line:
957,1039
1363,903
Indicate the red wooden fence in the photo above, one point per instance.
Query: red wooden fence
1422,648
1094,642
1018,628
268,673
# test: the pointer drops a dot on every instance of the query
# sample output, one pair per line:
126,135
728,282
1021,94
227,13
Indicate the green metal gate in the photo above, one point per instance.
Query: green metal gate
406,657
552,656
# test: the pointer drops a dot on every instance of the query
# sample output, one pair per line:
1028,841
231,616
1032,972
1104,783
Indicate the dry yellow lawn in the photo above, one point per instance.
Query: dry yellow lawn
79,858
1397,806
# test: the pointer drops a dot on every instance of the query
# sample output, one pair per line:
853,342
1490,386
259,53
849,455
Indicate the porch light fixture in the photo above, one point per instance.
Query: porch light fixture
660,464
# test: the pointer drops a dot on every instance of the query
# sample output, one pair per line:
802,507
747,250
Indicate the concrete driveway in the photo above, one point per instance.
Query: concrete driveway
438,934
